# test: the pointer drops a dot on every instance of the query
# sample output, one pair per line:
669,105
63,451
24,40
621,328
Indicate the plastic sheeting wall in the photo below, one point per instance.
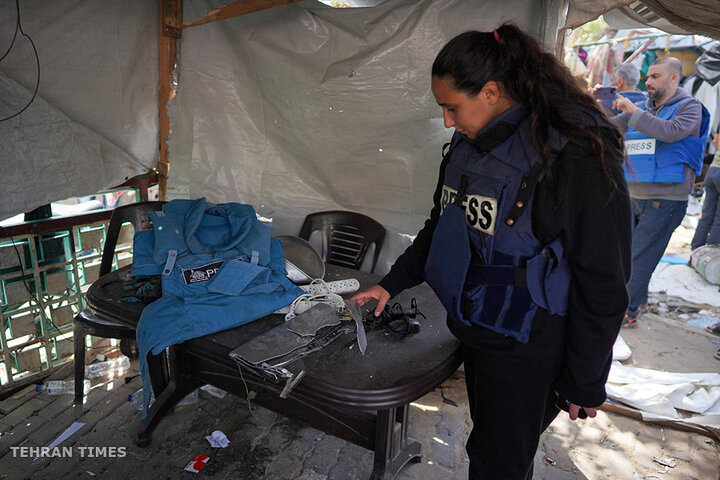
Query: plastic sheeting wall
305,108
93,123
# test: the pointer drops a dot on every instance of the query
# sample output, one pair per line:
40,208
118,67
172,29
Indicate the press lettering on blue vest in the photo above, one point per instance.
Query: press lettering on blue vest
635,147
480,211
200,274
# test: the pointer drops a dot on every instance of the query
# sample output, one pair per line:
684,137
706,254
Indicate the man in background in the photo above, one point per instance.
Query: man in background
625,77
665,141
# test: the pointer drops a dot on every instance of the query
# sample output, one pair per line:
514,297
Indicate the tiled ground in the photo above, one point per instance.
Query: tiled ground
264,445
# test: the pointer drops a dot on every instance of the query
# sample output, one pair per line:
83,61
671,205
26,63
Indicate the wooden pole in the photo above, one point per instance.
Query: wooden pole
711,432
641,50
170,18
239,7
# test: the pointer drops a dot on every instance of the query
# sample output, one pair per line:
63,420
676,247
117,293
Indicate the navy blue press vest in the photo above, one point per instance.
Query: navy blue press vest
485,264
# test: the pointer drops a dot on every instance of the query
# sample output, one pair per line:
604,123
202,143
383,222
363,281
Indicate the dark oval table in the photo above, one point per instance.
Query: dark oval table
363,399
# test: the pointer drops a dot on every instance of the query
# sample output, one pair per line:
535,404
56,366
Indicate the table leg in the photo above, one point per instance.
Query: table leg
393,448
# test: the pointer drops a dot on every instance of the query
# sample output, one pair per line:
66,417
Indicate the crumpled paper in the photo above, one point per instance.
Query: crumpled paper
218,439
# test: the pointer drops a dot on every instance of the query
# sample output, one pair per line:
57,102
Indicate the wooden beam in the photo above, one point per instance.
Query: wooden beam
171,15
170,18
239,7
712,432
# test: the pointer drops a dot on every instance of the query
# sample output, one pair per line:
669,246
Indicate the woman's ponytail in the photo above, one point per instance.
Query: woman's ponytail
531,76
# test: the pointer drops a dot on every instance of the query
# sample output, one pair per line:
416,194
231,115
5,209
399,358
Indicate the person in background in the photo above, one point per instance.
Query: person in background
626,77
708,228
665,141
527,245
707,231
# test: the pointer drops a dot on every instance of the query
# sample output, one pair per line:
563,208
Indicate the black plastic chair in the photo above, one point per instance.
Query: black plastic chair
346,237
87,323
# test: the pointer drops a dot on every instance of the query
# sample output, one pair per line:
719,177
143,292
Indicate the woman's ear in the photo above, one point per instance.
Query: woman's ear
491,92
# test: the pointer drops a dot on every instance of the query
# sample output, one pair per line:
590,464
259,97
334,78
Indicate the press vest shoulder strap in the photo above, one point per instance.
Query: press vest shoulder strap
448,147
533,177
527,188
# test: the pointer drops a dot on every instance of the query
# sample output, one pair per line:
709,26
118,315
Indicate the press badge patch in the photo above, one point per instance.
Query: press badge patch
642,146
480,211
200,274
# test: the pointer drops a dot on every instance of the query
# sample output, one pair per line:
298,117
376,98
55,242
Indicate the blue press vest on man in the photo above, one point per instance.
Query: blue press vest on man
487,267
654,161
219,268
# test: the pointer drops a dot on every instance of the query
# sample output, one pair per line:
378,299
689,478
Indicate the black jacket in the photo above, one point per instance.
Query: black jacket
590,209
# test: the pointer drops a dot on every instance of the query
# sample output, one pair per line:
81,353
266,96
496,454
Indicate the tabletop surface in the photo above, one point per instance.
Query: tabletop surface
392,364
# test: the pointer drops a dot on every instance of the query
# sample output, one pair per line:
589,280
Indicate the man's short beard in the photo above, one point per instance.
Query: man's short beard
657,95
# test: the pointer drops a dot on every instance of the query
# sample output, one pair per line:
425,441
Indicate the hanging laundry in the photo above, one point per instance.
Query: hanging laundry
601,61
573,62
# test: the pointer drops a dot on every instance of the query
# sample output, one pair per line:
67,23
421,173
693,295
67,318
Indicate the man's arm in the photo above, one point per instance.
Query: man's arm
685,123
621,121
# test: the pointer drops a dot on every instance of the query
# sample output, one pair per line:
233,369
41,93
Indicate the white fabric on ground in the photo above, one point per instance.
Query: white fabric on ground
684,282
662,393
621,350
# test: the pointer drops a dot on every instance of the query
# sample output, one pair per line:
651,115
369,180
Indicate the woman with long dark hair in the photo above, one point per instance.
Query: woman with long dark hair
527,245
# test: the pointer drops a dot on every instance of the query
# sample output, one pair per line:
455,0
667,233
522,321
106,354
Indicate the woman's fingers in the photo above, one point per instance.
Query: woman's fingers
373,293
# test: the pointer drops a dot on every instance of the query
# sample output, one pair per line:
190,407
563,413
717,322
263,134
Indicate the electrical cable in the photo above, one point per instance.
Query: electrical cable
18,26
13,39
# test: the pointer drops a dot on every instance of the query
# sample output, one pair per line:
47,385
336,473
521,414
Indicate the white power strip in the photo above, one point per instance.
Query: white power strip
337,286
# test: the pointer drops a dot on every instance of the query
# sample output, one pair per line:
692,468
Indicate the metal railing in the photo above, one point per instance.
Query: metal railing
46,266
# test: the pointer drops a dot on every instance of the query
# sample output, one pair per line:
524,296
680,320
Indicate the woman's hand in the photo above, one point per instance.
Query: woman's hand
574,410
373,293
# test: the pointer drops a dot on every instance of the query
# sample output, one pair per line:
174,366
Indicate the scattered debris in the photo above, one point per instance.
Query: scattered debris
214,391
218,439
64,436
197,463
550,461
447,400
668,462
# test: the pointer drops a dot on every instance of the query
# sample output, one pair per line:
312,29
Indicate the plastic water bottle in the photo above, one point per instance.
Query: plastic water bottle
114,367
59,387
214,391
137,399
